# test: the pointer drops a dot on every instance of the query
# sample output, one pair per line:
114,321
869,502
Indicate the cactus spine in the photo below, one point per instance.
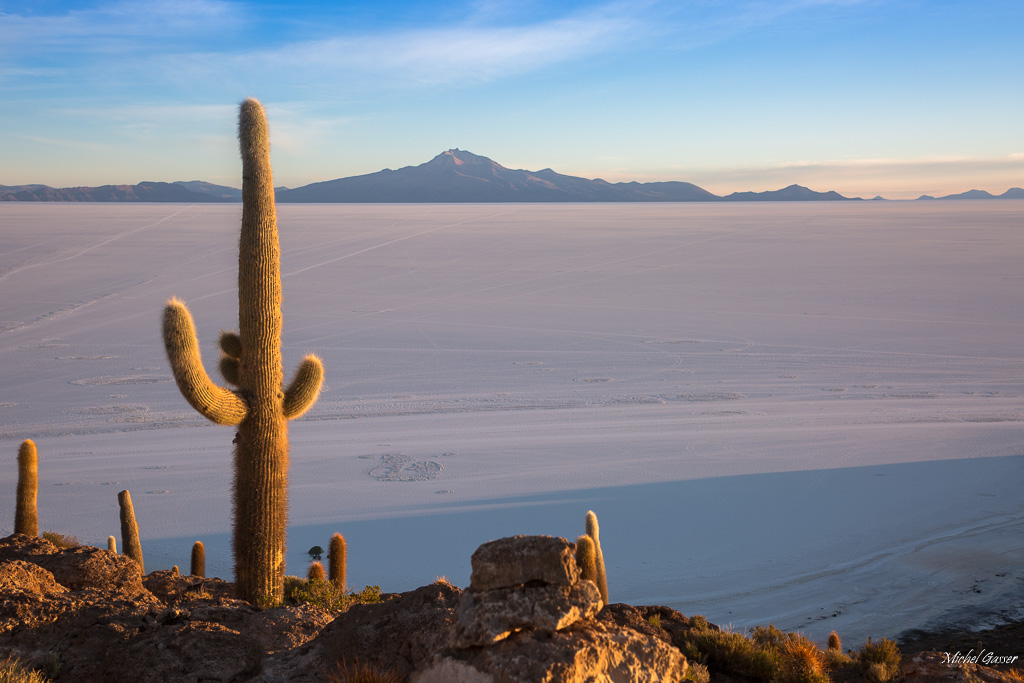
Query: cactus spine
251,360
198,567
594,531
130,530
338,558
112,544
316,572
26,516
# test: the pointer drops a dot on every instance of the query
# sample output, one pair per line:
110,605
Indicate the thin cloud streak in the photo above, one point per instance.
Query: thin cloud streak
113,26
463,55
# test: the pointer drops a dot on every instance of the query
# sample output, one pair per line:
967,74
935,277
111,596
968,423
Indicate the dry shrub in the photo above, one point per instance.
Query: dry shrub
729,652
837,659
355,672
61,540
880,661
697,673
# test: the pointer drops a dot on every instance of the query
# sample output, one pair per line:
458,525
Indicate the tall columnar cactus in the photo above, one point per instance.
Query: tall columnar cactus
198,567
337,557
130,530
26,517
586,558
251,361
594,531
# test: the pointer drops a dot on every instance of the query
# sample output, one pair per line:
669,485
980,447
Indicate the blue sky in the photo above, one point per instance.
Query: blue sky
865,97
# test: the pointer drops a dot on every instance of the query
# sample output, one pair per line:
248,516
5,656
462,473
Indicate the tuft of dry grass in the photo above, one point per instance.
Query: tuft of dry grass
12,670
61,540
356,672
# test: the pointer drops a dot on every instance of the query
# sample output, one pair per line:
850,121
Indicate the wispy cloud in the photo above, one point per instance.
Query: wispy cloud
113,25
467,53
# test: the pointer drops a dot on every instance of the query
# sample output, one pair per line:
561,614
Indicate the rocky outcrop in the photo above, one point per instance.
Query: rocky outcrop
88,615
87,612
527,617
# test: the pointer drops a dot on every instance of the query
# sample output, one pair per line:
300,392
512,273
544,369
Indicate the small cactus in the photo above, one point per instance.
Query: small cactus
130,530
198,560
112,544
834,643
586,558
316,572
175,571
338,558
26,517
594,531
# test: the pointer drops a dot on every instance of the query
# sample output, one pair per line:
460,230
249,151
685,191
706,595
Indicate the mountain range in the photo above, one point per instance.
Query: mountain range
454,176
1012,193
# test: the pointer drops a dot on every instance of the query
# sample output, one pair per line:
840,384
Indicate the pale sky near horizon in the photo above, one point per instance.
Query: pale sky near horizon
865,97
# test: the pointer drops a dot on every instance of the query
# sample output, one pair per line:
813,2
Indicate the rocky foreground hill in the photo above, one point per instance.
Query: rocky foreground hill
86,614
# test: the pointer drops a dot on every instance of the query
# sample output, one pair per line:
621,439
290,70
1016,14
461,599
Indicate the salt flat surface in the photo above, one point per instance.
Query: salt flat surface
805,414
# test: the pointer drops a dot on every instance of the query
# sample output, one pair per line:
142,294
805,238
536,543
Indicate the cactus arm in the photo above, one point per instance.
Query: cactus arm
229,369
231,344
213,402
302,393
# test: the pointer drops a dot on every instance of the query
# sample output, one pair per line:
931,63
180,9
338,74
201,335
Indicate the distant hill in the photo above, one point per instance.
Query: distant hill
1012,193
219,191
460,176
143,192
793,193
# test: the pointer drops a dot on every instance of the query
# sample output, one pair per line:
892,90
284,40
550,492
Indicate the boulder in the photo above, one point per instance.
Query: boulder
485,617
518,560
396,635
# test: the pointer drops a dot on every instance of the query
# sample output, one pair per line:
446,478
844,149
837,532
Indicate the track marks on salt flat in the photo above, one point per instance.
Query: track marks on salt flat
95,245
395,240
109,380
